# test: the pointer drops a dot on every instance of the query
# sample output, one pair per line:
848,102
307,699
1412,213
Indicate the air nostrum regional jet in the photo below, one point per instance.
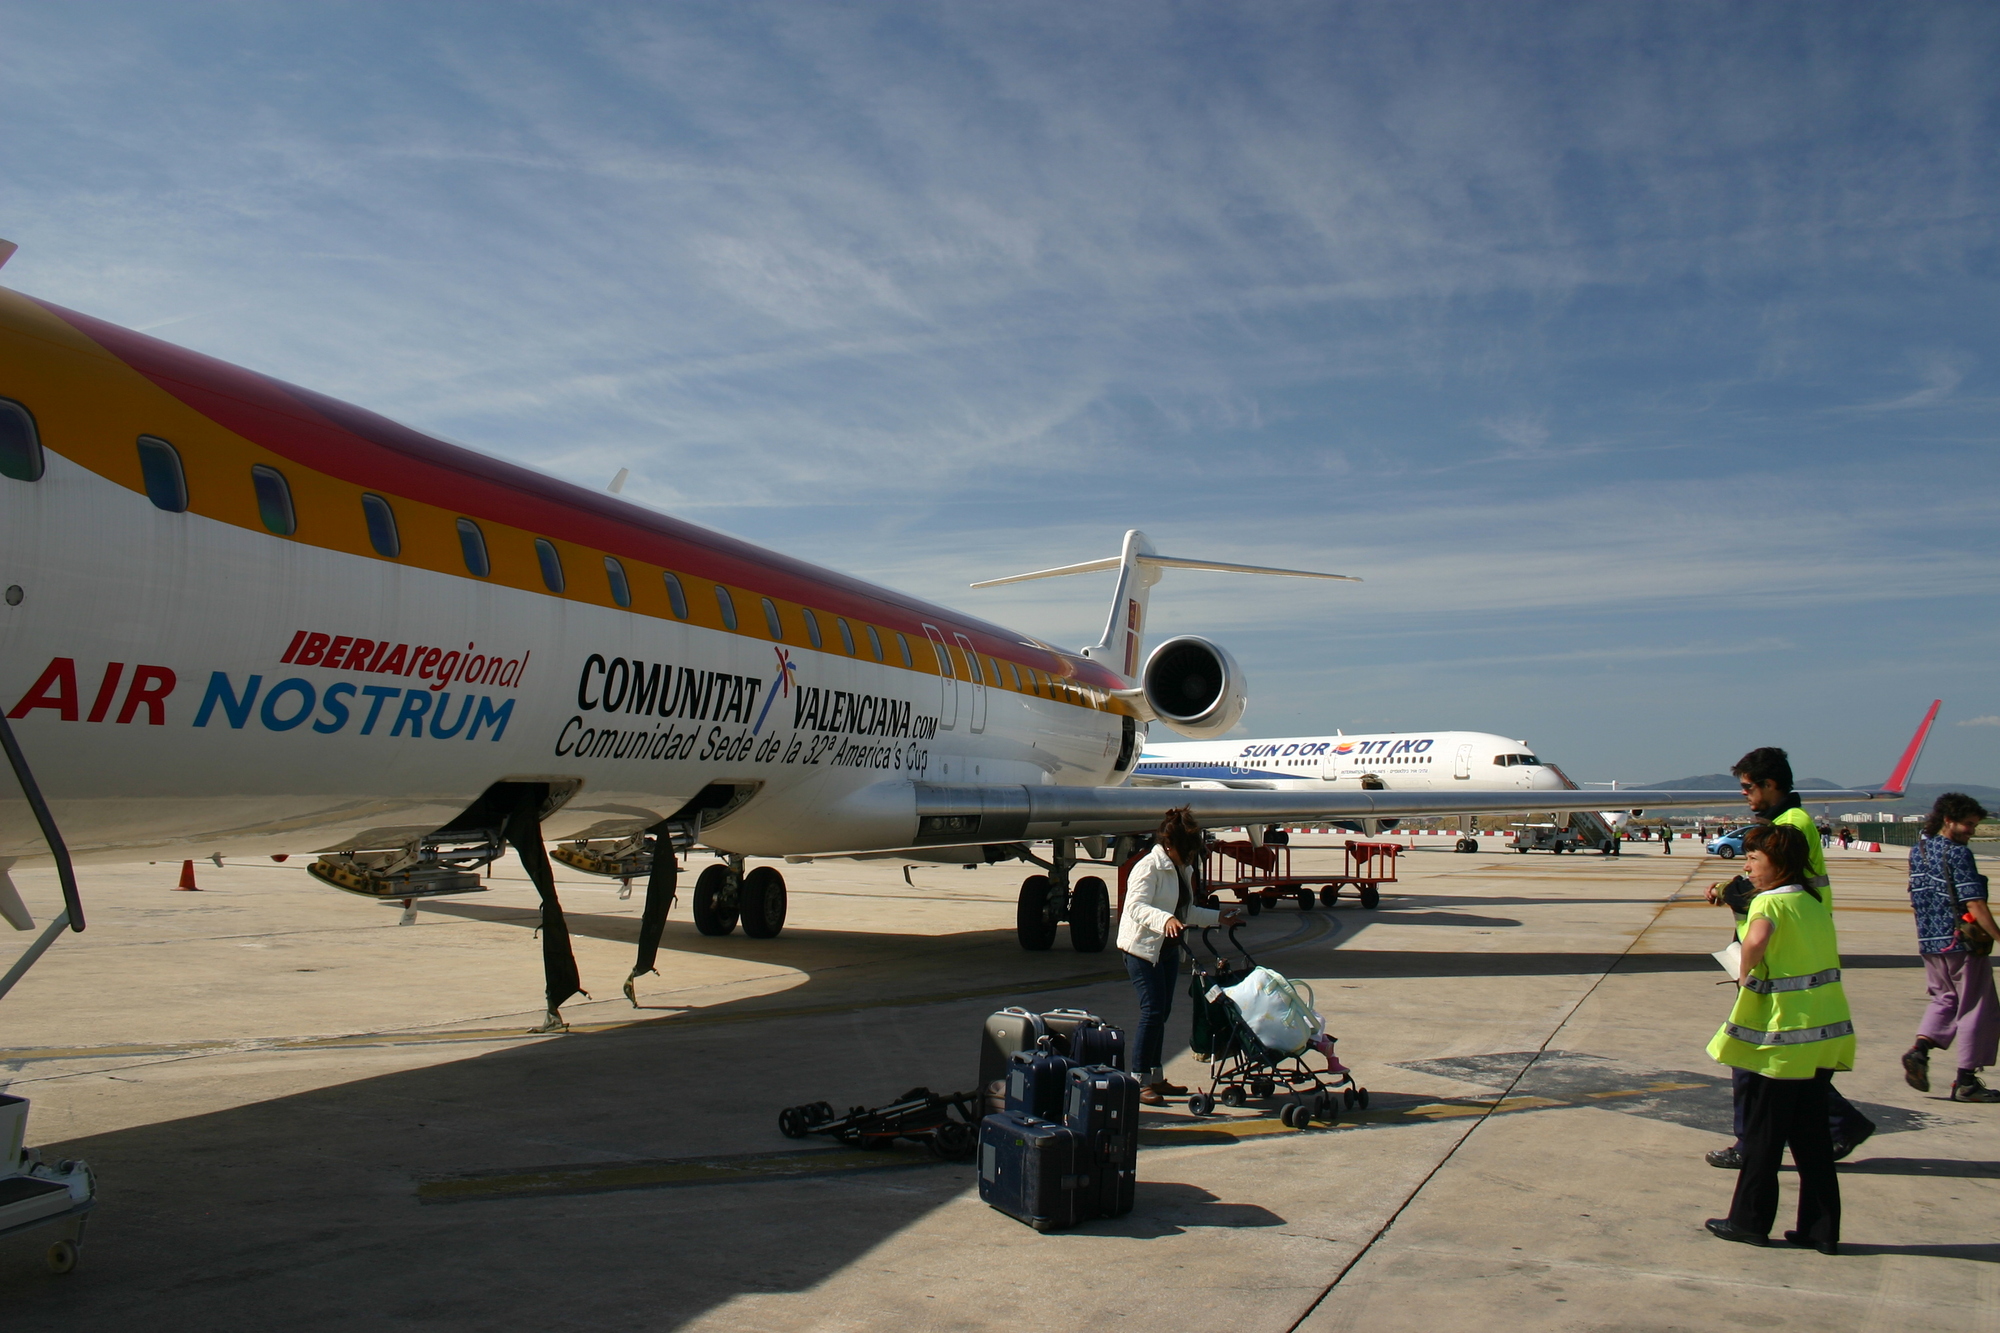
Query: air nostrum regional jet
244,618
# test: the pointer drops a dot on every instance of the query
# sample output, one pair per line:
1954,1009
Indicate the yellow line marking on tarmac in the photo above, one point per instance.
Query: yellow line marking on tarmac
1651,1087
603,1177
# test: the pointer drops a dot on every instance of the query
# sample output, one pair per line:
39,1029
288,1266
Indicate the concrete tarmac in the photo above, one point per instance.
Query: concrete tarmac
308,1116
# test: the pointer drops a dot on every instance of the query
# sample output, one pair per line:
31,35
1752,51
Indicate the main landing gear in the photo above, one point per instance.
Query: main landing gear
725,895
1048,900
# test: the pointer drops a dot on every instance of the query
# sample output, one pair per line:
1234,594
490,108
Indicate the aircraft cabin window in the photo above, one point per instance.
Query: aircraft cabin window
812,625
727,605
973,658
472,545
160,467
675,595
771,621
996,669
1015,672
614,574
274,500
551,562
904,644
874,642
20,443
846,635
381,520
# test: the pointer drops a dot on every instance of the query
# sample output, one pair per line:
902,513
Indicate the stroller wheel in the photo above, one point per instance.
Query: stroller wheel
1349,1098
1200,1103
1361,1099
1233,1095
792,1122
1288,1116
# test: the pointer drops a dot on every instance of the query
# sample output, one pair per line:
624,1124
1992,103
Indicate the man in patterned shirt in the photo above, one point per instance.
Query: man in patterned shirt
1960,981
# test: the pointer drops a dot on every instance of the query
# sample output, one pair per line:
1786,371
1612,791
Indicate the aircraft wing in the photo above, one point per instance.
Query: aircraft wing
988,814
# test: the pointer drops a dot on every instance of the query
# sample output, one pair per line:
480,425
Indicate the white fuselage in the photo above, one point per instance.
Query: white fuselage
1395,761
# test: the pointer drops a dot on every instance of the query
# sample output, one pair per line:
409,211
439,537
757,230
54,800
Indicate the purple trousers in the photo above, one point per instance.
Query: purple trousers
1962,1005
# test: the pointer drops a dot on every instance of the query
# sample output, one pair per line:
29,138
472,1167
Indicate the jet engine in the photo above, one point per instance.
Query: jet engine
1194,686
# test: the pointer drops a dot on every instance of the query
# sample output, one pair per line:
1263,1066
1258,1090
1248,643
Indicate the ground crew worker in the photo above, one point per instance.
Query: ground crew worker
1765,776
1789,1029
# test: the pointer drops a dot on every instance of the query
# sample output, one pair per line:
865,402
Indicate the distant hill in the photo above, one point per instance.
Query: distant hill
1919,799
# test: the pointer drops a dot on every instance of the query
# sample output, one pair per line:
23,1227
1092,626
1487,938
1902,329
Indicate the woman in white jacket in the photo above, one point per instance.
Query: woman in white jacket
1159,901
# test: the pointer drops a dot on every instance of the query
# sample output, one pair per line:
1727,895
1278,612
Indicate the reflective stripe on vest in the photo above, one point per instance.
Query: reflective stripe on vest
1795,1037
1772,987
1818,882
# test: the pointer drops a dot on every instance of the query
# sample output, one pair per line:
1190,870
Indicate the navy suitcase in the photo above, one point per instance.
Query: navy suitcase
1102,1110
1029,1169
1036,1082
1086,1038
1012,1029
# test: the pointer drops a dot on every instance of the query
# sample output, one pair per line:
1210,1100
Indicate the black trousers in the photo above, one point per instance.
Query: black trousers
1780,1113
1847,1123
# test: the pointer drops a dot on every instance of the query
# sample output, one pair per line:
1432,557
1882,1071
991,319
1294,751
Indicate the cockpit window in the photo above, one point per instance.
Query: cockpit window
274,500
160,469
20,444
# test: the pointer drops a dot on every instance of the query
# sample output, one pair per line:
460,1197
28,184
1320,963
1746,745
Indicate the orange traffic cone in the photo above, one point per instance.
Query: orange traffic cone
187,884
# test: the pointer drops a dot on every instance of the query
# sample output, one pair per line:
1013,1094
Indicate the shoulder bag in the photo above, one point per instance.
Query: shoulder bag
1971,935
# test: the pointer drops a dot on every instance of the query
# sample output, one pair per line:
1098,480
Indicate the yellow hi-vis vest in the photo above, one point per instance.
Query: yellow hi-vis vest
1815,854
1791,1018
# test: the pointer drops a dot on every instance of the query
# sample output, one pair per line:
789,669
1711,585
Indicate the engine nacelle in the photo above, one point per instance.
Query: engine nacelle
1194,686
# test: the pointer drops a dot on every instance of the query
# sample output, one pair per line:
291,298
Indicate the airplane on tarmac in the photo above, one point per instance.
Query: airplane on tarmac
1398,761
244,618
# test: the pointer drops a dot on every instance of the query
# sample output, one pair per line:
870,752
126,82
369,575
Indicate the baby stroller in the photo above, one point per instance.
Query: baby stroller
1259,1031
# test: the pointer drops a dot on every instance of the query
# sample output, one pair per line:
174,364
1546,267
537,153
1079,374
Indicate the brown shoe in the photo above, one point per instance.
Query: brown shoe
1170,1089
1150,1095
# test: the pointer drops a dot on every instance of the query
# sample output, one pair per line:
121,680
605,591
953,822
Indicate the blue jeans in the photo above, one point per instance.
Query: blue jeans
1155,984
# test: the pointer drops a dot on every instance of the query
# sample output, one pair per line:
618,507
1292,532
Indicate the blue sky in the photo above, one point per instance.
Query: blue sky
1642,359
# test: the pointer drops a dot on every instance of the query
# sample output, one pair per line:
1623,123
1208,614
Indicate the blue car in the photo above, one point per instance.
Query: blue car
1728,845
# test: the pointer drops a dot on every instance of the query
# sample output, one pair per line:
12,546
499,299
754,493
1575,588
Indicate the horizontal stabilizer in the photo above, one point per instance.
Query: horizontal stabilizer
1163,562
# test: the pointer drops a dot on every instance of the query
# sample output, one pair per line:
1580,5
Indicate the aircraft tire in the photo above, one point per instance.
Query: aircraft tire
714,909
1089,915
762,902
1034,931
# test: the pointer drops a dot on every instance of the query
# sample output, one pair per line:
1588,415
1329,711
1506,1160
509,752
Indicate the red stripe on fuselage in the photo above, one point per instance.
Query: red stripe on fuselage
364,449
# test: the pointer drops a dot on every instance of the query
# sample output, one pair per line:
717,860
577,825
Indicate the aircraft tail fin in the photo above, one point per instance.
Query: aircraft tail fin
1899,780
1139,567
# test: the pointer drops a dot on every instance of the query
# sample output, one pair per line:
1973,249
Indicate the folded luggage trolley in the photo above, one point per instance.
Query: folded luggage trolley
1261,876
1243,1066
946,1123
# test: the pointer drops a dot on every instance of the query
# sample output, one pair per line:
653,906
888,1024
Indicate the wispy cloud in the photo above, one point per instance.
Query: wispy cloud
1989,720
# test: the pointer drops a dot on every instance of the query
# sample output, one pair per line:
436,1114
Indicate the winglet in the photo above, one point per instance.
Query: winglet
7,249
1900,779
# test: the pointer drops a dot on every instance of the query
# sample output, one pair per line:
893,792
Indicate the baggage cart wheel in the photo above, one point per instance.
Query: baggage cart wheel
1233,1095
1254,904
1370,896
1089,915
1305,897
62,1256
1262,1087
714,907
953,1141
761,902
1200,1103
1031,924
1327,894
